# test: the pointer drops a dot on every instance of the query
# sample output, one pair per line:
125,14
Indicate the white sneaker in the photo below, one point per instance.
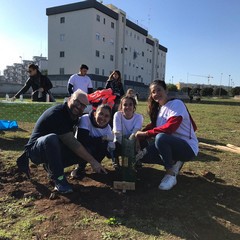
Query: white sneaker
177,167
167,182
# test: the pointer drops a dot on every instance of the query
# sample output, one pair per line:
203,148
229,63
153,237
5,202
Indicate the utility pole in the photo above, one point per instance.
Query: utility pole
229,79
220,85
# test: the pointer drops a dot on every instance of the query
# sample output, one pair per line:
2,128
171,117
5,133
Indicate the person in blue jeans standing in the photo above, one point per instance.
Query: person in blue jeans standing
53,144
173,131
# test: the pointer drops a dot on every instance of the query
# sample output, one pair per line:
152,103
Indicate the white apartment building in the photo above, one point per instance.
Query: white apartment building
102,37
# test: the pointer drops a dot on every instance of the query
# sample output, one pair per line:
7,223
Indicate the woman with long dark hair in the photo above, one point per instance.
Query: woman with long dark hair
173,131
115,83
40,85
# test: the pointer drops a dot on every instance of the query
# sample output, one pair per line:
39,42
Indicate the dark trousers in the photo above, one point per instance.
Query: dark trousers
50,151
167,149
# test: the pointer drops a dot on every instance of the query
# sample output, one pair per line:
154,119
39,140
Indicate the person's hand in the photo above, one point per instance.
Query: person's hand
141,154
98,168
108,138
140,134
40,89
132,136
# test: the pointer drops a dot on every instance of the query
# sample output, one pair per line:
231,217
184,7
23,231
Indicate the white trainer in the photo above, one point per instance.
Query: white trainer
177,167
167,182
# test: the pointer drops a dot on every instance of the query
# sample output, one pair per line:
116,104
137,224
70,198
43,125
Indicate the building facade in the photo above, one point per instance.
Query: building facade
102,37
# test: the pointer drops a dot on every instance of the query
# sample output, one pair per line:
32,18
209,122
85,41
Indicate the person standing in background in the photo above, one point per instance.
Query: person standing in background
80,81
115,83
40,84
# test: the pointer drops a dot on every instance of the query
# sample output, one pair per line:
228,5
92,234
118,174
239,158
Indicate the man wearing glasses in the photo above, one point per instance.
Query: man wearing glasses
40,84
53,144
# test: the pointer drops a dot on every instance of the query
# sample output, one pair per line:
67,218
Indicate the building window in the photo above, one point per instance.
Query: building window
111,57
121,50
150,60
62,37
134,55
143,54
103,72
103,39
97,36
137,37
111,42
62,19
98,18
112,24
97,71
97,53
61,71
103,56
104,21
125,76
62,54
126,47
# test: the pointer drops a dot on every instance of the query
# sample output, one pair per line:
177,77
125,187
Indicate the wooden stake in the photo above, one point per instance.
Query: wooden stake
220,147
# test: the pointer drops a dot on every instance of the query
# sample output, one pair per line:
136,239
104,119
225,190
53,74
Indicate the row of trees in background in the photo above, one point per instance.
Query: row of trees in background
207,91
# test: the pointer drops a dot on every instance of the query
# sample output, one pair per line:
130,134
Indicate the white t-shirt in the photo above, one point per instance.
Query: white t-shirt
185,131
80,82
85,123
127,126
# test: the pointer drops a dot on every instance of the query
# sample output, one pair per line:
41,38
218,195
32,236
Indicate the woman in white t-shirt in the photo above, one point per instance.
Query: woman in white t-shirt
126,122
95,134
174,131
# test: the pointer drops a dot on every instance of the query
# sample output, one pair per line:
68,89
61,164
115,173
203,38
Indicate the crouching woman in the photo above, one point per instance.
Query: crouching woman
173,130
95,134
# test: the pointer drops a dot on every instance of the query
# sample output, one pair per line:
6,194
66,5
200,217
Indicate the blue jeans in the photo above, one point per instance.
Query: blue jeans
50,151
167,149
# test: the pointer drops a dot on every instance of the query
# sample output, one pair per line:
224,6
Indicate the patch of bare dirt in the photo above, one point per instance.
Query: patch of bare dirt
198,207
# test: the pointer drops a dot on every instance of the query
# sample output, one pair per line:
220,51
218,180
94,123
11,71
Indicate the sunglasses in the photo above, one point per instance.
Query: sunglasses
77,103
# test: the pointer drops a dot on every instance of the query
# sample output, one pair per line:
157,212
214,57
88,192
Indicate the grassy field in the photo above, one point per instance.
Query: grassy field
205,204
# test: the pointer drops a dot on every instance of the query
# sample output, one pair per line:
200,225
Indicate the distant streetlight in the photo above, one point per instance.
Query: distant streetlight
229,80
220,85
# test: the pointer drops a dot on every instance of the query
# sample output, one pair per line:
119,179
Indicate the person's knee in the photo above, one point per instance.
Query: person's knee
161,137
51,140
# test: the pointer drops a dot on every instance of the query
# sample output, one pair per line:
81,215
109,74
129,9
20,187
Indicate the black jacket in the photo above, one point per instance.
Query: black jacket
36,82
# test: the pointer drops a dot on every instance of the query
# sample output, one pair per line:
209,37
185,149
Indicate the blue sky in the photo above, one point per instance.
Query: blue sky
202,36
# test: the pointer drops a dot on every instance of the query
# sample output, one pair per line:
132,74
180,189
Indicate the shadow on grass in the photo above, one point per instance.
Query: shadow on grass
203,157
13,144
195,208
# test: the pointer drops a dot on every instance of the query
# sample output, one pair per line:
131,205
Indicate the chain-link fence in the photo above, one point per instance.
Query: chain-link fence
22,111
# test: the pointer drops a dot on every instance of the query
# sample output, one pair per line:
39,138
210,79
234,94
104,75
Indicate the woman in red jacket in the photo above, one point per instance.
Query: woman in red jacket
173,131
